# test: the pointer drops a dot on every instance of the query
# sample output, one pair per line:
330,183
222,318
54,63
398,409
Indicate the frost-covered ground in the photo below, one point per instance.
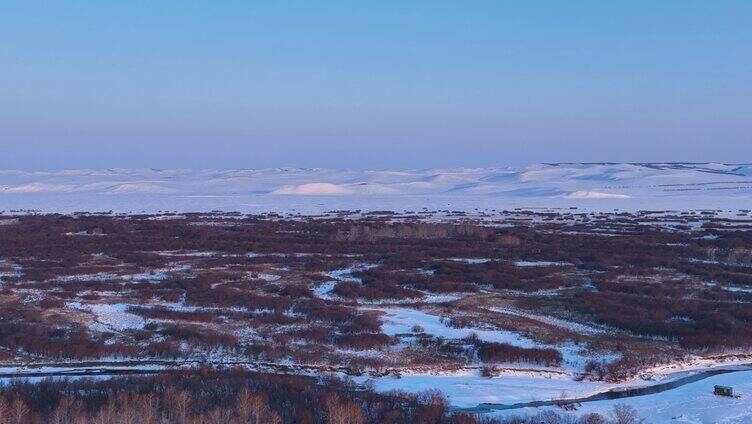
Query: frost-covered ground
466,390
693,403
402,320
345,275
110,317
524,264
556,322
601,187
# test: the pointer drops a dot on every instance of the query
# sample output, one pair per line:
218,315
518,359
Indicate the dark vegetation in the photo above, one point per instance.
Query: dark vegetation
241,397
491,352
207,396
657,281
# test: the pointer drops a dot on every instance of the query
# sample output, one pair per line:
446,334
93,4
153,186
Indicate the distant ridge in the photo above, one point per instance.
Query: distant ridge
592,185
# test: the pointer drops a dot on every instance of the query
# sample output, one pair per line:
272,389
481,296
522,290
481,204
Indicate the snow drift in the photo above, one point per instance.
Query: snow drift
605,186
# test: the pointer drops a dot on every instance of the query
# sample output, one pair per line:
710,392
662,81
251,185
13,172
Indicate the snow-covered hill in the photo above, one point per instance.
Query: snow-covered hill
600,186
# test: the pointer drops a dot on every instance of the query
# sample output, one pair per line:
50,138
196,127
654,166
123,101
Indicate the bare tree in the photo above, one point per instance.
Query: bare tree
19,411
148,408
342,412
106,414
253,408
625,414
592,418
5,411
129,410
178,405
66,412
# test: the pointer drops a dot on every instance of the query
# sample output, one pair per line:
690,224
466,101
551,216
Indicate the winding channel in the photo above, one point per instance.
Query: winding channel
156,367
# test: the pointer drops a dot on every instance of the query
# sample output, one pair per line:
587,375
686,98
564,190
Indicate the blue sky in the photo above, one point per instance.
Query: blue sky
387,84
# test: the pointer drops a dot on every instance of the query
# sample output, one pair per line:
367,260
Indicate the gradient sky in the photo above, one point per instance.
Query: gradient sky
372,84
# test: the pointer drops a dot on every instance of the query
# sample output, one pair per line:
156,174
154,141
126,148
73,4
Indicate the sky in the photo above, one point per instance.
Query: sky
373,84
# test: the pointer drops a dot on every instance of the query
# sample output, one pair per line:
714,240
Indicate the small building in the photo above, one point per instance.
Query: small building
723,391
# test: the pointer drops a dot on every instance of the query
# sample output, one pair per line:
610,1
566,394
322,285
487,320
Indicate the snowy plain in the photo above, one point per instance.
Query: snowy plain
600,187
693,403
466,390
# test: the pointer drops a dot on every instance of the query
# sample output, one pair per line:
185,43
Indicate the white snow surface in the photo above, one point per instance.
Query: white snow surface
471,261
523,264
402,320
599,186
343,275
596,195
693,403
110,317
468,389
158,274
269,278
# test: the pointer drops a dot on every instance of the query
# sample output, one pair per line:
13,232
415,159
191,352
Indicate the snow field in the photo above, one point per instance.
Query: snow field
693,403
110,317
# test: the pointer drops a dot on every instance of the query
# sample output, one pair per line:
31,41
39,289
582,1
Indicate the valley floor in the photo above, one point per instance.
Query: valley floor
511,313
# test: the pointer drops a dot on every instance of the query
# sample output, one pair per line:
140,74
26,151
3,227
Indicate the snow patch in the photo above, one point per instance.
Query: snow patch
595,195
313,189
467,389
402,320
110,317
471,261
523,264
